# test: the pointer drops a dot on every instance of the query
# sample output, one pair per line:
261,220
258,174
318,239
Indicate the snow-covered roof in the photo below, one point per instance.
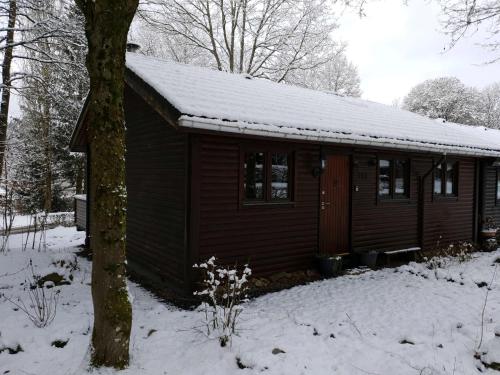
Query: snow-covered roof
488,135
236,103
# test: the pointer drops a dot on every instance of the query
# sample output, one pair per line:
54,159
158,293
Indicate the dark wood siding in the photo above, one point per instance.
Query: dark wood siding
489,204
271,238
393,224
156,166
451,219
381,224
81,212
275,239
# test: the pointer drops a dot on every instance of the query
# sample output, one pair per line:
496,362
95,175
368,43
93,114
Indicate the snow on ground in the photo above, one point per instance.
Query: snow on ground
408,320
20,221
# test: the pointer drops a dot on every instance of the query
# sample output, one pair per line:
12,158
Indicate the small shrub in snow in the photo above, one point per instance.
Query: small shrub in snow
41,306
222,292
489,223
67,262
440,256
59,343
11,350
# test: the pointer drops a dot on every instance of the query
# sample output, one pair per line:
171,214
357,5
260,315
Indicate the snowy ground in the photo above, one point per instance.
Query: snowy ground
20,221
408,320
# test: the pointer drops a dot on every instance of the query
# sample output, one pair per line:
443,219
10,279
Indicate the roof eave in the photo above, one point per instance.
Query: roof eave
221,126
77,143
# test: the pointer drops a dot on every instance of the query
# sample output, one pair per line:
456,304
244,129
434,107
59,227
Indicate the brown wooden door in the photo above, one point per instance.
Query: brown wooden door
334,206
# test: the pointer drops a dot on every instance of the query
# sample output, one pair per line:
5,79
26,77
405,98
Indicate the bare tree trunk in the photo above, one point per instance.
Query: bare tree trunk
243,35
6,64
107,24
47,148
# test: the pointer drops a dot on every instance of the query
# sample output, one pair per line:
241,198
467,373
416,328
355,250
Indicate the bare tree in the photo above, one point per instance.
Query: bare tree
6,76
172,47
464,17
448,98
263,38
106,25
490,106
338,75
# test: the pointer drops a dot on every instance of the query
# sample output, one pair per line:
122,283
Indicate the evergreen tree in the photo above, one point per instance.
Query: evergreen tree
52,96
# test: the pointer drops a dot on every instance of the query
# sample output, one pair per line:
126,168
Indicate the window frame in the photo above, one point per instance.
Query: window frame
455,187
268,151
393,196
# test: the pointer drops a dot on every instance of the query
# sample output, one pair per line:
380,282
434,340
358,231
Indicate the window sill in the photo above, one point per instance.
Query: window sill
249,204
445,198
393,200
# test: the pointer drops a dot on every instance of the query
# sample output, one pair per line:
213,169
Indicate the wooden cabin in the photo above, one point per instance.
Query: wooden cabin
254,171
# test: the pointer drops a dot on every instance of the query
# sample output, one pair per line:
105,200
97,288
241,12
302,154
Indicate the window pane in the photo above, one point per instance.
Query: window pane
450,178
254,175
498,185
279,174
401,177
384,177
438,186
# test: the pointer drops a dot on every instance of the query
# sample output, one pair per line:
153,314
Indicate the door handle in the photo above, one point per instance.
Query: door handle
323,204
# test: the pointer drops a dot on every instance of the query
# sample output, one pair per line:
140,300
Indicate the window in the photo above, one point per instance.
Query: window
393,178
446,179
266,176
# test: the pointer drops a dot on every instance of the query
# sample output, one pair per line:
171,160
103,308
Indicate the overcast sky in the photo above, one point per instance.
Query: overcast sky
396,47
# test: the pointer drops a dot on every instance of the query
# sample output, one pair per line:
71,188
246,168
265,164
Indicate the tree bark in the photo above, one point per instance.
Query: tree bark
107,24
47,147
6,64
